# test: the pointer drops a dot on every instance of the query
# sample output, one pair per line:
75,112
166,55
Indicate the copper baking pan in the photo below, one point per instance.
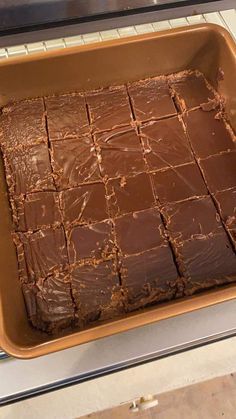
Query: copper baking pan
204,47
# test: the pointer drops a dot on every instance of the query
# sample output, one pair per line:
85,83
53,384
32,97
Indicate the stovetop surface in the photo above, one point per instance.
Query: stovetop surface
24,378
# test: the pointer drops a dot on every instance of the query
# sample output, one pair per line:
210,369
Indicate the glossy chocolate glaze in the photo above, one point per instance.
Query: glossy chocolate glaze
121,197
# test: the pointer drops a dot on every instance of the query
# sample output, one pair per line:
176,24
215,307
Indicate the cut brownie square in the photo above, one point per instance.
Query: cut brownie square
165,144
151,99
190,219
45,252
66,116
226,202
91,241
28,169
22,124
219,171
38,210
149,277
208,133
49,303
96,291
74,162
84,204
120,152
179,183
207,262
129,194
191,89
139,231
109,108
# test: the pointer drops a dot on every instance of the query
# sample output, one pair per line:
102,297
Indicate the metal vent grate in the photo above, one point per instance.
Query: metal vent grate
226,18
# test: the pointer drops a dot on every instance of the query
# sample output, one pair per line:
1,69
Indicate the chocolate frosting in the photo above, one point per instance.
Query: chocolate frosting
23,124
121,197
208,133
109,108
179,183
66,116
165,144
149,277
120,152
74,161
151,99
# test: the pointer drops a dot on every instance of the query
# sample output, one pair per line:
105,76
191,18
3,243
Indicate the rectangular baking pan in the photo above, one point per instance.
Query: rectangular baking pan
207,48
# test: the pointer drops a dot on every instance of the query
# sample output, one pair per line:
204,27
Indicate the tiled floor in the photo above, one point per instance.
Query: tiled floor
208,400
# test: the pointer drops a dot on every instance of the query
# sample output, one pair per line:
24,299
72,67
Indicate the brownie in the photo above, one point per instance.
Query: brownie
91,241
74,162
66,116
129,194
121,198
226,202
120,152
38,210
149,277
84,204
219,171
208,133
165,144
18,240
208,262
191,89
44,251
49,303
109,108
139,231
179,183
28,170
22,124
96,291
192,219
151,99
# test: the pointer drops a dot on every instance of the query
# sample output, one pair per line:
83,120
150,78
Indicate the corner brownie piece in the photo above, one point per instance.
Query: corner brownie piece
179,183
149,277
37,210
219,171
191,89
151,99
45,252
139,231
195,218
84,204
28,170
208,133
96,292
109,108
165,144
22,124
93,241
66,116
129,194
49,303
120,152
74,162
207,262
